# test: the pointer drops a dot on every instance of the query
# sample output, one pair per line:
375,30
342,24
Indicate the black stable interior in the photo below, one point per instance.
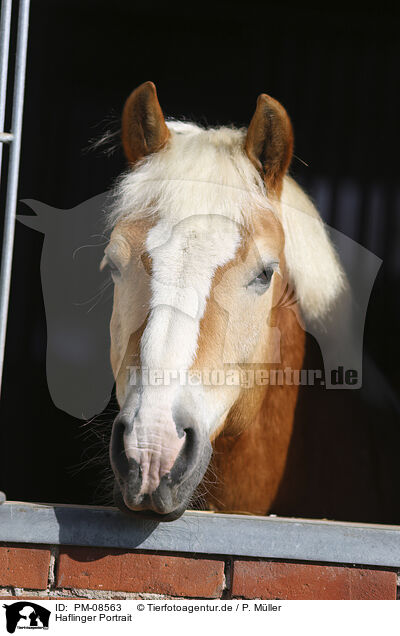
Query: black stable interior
334,69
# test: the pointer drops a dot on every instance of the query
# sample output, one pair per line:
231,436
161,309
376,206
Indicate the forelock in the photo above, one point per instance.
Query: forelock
200,171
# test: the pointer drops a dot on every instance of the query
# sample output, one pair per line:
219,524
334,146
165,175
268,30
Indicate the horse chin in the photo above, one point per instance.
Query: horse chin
146,513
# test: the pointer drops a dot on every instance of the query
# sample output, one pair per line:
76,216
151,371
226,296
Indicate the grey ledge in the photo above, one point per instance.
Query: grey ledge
203,533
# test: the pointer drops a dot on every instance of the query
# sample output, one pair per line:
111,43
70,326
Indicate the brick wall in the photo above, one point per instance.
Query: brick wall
78,572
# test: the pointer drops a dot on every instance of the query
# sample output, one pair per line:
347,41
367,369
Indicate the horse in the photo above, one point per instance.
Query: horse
218,257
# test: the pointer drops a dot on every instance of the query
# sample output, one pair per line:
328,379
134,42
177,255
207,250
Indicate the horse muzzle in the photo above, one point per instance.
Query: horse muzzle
157,465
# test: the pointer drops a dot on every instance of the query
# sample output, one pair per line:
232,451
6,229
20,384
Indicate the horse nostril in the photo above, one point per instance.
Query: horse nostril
118,458
188,457
176,488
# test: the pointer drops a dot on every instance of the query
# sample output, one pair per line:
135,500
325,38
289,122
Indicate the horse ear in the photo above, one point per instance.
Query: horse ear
143,125
269,141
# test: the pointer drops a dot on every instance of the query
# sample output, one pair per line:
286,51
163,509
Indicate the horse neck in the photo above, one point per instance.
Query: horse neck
250,453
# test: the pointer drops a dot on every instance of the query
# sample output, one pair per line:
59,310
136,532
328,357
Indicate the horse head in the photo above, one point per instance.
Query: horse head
205,251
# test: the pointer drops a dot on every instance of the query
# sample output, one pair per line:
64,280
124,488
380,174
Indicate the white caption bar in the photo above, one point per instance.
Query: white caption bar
175,617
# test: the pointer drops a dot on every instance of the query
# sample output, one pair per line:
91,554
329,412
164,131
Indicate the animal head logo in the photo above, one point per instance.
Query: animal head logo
78,303
26,615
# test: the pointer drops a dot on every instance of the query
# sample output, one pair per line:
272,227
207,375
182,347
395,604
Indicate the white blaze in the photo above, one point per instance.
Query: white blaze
184,260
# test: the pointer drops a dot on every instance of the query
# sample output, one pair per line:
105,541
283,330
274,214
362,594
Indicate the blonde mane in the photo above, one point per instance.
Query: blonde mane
206,171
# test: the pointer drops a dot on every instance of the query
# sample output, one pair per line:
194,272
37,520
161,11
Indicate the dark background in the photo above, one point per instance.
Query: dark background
336,71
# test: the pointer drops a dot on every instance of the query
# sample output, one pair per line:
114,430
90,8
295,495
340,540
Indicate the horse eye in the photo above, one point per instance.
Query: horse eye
263,280
265,277
113,269
111,266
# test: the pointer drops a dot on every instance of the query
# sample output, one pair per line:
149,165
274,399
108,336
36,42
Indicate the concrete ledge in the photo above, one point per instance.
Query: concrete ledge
203,533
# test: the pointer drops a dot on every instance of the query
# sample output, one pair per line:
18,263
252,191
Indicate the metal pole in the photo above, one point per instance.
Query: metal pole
5,24
13,170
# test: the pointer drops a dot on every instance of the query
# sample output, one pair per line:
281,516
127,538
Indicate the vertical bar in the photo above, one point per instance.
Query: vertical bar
5,24
13,170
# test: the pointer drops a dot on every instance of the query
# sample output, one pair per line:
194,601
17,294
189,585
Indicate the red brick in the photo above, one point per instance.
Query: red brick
273,580
99,569
29,597
24,567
